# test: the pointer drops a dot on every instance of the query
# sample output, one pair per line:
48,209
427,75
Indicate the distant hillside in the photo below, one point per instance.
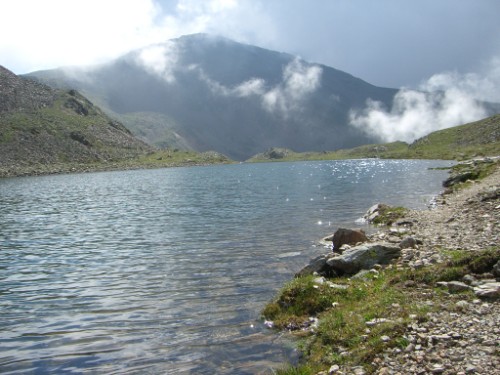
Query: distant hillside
209,93
480,138
42,126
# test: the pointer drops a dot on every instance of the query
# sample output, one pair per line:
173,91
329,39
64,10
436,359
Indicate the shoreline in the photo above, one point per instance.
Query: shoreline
122,165
460,330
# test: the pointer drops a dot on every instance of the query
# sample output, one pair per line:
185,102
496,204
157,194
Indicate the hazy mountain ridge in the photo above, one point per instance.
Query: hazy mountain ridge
40,125
216,94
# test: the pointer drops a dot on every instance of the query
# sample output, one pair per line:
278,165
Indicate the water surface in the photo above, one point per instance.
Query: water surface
166,271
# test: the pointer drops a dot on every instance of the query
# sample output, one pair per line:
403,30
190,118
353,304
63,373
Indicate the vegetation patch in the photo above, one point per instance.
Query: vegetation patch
356,323
388,214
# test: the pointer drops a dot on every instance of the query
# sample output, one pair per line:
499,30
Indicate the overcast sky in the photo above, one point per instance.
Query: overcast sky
390,43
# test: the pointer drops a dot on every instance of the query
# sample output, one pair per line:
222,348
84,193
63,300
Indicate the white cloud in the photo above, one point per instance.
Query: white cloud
254,86
298,81
43,34
443,101
160,60
51,33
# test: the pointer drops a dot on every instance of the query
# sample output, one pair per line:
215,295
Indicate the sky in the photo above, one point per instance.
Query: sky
392,43
447,45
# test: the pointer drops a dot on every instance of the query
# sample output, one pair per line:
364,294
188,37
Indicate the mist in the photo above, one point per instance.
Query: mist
299,80
444,100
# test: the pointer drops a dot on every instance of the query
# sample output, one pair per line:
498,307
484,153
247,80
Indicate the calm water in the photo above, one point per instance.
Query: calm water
166,271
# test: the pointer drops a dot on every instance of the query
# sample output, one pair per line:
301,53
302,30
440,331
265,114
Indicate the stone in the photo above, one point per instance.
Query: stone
364,256
315,265
462,305
470,369
488,290
457,286
408,242
437,369
462,177
345,236
334,369
496,269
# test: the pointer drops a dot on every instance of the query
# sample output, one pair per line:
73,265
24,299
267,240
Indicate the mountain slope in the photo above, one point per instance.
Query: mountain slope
41,126
476,138
205,93
479,138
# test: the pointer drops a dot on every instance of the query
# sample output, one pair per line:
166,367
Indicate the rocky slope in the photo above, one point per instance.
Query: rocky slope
41,126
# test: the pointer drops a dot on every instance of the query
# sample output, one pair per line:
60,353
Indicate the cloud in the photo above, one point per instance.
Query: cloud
443,101
160,60
53,33
298,81
254,86
43,34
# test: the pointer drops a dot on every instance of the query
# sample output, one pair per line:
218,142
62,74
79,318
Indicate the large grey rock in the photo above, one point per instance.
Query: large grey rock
315,265
345,236
488,290
364,256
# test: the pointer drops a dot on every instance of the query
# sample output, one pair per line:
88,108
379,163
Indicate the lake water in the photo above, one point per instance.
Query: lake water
166,271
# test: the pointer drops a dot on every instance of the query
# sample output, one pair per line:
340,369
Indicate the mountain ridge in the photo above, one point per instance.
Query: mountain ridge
211,93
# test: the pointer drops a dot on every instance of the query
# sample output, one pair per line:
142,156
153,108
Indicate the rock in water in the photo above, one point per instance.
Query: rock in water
315,265
345,236
364,257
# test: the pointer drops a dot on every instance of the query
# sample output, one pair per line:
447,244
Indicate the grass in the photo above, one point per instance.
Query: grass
342,336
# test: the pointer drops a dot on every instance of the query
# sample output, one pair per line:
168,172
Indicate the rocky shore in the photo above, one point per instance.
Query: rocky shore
460,330
463,336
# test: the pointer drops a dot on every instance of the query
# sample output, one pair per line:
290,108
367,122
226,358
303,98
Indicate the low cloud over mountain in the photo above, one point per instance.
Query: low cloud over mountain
210,93
444,100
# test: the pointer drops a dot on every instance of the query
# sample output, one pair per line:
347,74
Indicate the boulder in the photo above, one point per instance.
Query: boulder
364,256
345,236
488,290
317,265
459,178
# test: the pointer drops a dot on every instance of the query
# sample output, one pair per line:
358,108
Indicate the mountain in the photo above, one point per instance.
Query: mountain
210,93
479,138
40,125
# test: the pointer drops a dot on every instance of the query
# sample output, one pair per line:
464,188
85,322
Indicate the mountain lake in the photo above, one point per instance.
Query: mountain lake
167,270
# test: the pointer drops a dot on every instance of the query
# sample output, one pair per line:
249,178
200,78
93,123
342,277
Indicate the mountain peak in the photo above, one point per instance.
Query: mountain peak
207,92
